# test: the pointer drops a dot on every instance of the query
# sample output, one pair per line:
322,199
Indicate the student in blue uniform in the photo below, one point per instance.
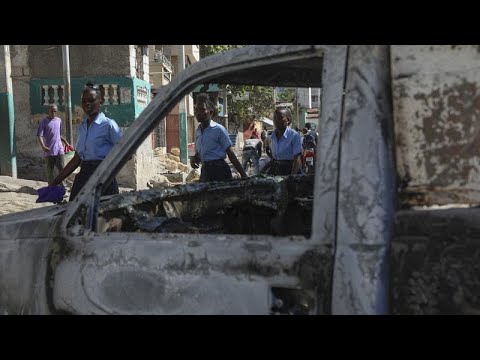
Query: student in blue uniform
286,146
212,145
96,137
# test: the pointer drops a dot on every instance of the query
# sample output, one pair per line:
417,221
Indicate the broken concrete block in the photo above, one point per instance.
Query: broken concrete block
158,151
158,181
173,157
183,167
175,151
175,177
170,165
193,176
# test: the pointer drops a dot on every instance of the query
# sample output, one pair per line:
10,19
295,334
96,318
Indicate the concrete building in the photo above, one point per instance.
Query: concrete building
8,157
121,71
165,63
124,77
309,106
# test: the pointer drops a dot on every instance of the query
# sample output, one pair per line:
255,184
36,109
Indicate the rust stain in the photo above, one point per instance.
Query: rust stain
452,132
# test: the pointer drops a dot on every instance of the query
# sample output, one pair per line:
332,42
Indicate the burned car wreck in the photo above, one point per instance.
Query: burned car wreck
241,247
345,241
261,205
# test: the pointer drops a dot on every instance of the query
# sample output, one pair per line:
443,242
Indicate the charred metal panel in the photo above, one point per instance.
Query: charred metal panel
324,220
23,276
31,224
435,262
198,268
437,122
326,174
366,185
252,262
300,72
25,244
139,273
360,284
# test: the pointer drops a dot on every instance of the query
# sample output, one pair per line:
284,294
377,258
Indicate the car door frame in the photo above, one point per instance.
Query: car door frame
281,261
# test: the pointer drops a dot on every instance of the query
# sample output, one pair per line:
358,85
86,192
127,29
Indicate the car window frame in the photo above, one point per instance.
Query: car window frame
80,215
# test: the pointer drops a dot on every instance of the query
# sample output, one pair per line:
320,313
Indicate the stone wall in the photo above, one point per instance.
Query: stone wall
142,166
85,60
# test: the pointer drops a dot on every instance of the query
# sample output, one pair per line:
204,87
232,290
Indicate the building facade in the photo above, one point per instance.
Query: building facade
122,73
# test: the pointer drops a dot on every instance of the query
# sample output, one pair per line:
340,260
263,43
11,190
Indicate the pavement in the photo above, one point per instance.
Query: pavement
19,195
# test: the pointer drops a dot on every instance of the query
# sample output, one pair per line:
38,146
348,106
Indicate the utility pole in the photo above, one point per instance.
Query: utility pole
8,156
183,113
296,106
225,109
67,97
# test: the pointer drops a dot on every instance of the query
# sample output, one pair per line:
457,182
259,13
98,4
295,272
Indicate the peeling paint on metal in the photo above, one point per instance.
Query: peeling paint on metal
437,113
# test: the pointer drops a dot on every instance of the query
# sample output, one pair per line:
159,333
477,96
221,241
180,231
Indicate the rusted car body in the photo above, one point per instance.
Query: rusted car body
97,256
147,252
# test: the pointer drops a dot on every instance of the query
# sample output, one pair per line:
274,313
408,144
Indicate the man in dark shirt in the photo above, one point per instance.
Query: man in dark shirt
252,149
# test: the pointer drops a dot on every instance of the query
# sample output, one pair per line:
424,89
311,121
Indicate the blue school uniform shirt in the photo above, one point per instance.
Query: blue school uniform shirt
96,141
212,143
289,145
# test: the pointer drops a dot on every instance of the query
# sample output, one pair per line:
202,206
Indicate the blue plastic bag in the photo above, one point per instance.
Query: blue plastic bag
52,194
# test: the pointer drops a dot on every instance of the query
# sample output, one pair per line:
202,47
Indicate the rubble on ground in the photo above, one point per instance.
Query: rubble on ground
171,171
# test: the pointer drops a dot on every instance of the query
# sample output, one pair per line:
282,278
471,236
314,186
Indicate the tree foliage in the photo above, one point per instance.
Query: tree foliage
207,50
286,95
258,100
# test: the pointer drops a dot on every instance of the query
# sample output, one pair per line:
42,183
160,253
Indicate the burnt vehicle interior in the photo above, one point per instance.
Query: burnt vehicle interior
263,205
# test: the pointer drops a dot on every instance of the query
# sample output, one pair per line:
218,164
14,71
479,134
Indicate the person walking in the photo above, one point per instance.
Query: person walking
286,146
97,135
49,135
212,145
